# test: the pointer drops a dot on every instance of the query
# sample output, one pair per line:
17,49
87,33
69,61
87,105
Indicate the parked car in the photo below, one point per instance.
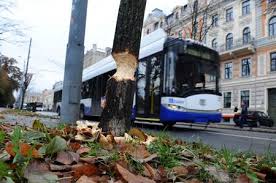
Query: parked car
255,119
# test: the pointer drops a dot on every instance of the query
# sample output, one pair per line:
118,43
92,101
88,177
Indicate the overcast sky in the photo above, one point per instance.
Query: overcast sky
48,25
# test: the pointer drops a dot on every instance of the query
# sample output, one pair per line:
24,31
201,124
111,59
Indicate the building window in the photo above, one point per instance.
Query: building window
273,61
161,24
148,31
156,25
246,63
212,78
214,44
215,20
229,41
246,7
246,35
176,16
245,97
227,100
229,15
272,26
228,70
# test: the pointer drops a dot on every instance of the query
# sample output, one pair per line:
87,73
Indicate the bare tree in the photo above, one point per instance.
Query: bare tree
121,86
199,22
269,6
10,29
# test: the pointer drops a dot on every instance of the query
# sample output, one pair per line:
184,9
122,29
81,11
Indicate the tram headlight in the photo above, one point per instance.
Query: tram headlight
175,107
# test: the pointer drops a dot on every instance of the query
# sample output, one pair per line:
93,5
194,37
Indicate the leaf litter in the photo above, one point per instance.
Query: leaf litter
82,153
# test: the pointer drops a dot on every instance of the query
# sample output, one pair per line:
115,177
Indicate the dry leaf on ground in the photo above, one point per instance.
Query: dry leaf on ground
85,179
86,169
130,177
137,133
105,144
138,152
180,171
24,149
219,174
67,158
243,179
83,150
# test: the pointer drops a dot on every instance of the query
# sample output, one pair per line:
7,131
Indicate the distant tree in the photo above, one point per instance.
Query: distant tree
269,6
10,76
201,18
10,29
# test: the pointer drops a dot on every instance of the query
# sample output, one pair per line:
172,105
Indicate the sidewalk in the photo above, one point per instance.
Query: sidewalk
231,127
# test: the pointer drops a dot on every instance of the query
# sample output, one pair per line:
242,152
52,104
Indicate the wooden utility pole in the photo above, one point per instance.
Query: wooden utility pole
121,86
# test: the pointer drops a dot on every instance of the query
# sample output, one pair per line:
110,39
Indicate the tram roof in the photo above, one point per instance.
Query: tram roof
151,43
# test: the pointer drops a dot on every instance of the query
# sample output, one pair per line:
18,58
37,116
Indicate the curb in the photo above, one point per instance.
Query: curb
212,126
229,127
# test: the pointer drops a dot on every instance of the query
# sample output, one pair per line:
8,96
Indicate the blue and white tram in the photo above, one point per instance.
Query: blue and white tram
177,81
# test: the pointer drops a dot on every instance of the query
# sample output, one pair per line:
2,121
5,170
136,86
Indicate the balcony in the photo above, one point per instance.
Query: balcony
238,49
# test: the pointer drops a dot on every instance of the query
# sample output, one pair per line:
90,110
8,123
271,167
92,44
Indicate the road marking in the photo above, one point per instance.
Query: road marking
242,136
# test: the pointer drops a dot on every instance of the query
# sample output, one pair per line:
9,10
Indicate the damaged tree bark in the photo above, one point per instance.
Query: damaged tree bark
121,86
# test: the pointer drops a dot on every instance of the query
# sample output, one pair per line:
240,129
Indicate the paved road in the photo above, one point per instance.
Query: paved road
237,140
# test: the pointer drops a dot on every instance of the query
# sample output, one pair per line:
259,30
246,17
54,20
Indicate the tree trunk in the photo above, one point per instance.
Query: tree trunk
120,88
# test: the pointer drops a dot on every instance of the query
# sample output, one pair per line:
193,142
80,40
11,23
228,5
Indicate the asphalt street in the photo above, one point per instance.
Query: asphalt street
238,140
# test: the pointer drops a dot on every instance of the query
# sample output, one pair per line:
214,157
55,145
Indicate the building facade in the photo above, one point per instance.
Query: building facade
46,97
244,34
94,55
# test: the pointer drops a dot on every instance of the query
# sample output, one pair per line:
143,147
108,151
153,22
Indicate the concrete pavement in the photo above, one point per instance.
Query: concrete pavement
237,140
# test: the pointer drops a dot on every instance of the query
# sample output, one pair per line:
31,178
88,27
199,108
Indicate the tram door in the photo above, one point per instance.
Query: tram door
148,87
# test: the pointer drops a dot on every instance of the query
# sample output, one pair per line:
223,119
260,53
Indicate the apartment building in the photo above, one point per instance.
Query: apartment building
244,34
94,55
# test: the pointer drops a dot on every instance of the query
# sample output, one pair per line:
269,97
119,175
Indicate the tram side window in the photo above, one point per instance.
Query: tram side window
141,86
169,74
57,96
85,90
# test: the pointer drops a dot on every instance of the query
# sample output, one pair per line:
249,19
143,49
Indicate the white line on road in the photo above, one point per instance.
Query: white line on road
242,136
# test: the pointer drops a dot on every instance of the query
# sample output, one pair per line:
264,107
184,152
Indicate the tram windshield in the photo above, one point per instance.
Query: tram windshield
190,73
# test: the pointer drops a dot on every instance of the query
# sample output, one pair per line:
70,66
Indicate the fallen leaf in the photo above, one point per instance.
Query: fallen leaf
38,171
128,138
79,137
137,133
24,149
83,150
87,170
56,145
243,179
130,177
151,157
219,174
74,146
139,152
85,179
46,177
5,156
150,139
194,180
67,158
1,116
105,144
180,171
153,172
54,167
39,126
120,140
110,139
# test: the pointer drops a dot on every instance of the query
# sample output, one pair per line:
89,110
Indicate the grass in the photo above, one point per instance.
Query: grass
169,155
